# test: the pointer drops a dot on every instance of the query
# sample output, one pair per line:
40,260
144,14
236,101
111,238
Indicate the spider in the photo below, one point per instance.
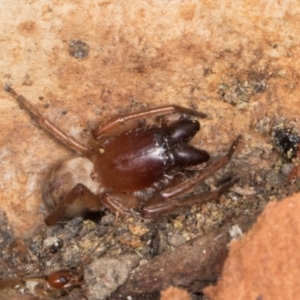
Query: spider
130,166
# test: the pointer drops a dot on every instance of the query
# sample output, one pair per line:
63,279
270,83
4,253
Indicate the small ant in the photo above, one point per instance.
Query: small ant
44,285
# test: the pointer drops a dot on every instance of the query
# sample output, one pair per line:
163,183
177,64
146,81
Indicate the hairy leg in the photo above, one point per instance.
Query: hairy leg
66,139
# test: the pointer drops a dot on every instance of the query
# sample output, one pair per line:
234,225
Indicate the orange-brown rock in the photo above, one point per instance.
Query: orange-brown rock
174,293
265,263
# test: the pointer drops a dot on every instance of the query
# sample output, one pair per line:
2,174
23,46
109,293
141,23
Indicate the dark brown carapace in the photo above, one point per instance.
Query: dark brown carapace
126,158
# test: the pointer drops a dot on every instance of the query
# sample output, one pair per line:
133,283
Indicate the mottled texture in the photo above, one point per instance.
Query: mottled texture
81,62
265,264
107,273
140,55
192,264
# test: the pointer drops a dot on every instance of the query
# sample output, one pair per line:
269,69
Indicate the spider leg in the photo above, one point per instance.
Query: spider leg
119,120
121,203
87,200
167,207
66,139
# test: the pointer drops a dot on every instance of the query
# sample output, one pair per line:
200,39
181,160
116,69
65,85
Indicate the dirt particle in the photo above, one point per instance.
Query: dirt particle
79,49
287,141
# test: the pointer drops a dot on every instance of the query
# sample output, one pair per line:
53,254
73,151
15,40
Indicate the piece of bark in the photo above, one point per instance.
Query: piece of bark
192,265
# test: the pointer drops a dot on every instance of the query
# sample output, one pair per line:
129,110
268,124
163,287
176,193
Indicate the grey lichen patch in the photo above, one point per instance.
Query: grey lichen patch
106,274
263,125
238,91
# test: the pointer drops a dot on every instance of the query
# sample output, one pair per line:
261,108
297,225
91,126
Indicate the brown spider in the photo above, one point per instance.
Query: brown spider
126,159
